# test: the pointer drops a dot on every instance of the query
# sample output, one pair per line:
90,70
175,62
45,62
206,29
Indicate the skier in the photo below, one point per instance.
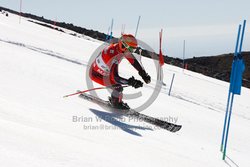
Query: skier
104,69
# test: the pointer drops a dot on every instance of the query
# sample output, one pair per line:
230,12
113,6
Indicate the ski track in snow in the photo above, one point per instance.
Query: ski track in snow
45,51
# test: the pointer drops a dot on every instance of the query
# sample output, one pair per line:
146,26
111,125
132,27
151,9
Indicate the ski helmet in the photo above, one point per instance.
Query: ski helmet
127,42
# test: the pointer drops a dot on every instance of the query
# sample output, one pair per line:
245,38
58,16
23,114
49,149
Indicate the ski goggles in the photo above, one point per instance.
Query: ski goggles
129,48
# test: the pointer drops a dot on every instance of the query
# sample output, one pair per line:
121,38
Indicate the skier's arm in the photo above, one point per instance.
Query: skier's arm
134,62
131,81
117,78
139,68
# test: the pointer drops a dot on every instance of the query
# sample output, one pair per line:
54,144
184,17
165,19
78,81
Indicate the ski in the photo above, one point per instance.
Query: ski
154,121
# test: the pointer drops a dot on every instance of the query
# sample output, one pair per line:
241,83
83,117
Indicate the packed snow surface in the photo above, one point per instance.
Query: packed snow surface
38,127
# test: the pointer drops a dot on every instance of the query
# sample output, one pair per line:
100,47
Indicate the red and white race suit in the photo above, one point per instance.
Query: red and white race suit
104,70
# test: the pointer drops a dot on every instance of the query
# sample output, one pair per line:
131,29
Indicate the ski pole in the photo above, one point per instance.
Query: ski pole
88,90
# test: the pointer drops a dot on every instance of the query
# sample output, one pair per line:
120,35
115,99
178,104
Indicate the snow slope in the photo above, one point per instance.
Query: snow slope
39,65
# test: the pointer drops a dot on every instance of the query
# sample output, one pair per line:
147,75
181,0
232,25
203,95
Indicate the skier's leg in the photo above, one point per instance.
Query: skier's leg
117,93
116,97
96,77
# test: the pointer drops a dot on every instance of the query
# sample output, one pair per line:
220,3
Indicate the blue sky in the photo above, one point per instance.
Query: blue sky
209,27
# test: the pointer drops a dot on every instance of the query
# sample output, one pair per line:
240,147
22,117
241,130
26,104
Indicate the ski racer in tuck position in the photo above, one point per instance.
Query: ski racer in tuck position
104,69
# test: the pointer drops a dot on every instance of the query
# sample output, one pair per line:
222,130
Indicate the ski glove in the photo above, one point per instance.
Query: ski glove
145,76
134,82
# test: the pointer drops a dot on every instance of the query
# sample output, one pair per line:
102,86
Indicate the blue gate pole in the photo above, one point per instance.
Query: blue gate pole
107,36
228,124
137,25
242,36
225,122
235,66
111,30
171,84
231,82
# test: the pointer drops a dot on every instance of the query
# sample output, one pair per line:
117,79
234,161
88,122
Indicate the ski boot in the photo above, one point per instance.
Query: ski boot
115,103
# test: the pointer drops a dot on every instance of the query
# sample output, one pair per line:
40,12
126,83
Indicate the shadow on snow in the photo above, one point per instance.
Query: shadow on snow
115,120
